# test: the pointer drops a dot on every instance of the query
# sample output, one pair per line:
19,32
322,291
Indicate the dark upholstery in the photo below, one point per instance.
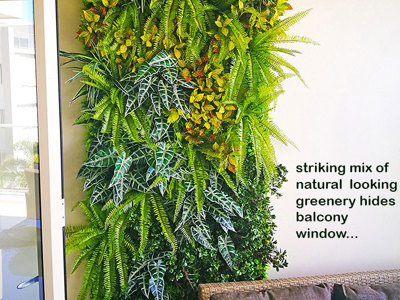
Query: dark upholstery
309,292
366,292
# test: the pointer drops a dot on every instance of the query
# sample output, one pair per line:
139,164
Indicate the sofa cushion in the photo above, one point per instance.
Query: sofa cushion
308,292
366,292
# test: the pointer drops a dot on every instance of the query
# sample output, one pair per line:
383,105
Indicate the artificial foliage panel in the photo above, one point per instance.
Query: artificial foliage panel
176,99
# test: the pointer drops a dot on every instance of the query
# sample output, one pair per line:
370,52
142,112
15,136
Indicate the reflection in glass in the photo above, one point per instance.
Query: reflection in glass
20,255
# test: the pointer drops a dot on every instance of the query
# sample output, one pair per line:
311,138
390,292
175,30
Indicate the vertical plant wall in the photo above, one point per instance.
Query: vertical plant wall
176,98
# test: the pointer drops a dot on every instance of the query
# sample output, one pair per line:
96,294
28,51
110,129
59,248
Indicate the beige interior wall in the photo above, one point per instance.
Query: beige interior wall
349,114
69,11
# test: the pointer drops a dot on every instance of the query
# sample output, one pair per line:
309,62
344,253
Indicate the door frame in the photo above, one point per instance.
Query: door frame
50,149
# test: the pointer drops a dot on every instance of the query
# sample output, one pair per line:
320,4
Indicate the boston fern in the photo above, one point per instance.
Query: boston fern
176,98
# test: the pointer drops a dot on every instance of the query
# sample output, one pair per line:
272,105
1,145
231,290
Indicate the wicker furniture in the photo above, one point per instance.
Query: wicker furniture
362,278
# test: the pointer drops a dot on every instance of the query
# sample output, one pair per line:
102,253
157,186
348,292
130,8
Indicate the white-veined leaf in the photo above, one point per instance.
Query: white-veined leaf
163,155
225,201
139,155
131,102
103,158
138,179
221,217
201,237
151,173
145,90
100,194
170,74
156,283
160,128
121,169
179,99
145,70
120,189
227,249
190,186
157,103
162,186
185,84
163,59
94,178
166,93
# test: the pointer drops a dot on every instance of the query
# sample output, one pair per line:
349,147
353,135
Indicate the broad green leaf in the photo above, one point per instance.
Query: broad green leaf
166,93
121,168
163,59
94,178
119,190
151,173
100,194
225,201
170,74
139,183
145,70
156,283
103,158
180,99
202,235
160,129
163,155
145,90
227,249
157,103
162,187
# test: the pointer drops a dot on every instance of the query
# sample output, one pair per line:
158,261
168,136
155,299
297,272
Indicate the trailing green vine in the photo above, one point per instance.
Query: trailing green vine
176,98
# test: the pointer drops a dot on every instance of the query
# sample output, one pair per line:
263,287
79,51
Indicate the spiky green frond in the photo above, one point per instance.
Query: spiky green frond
198,178
144,224
163,220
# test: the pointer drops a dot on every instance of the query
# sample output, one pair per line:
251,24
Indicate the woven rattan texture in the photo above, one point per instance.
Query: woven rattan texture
362,278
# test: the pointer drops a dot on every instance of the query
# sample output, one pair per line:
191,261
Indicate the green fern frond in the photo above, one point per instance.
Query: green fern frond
241,152
144,224
92,213
131,247
198,178
78,242
237,73
170,9
293,39
263,149
163,220
285,24
276,61
89,274
109,283
198,13
120,254
179,200
128,205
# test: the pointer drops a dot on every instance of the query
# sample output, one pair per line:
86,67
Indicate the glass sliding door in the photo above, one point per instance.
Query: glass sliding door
21,268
